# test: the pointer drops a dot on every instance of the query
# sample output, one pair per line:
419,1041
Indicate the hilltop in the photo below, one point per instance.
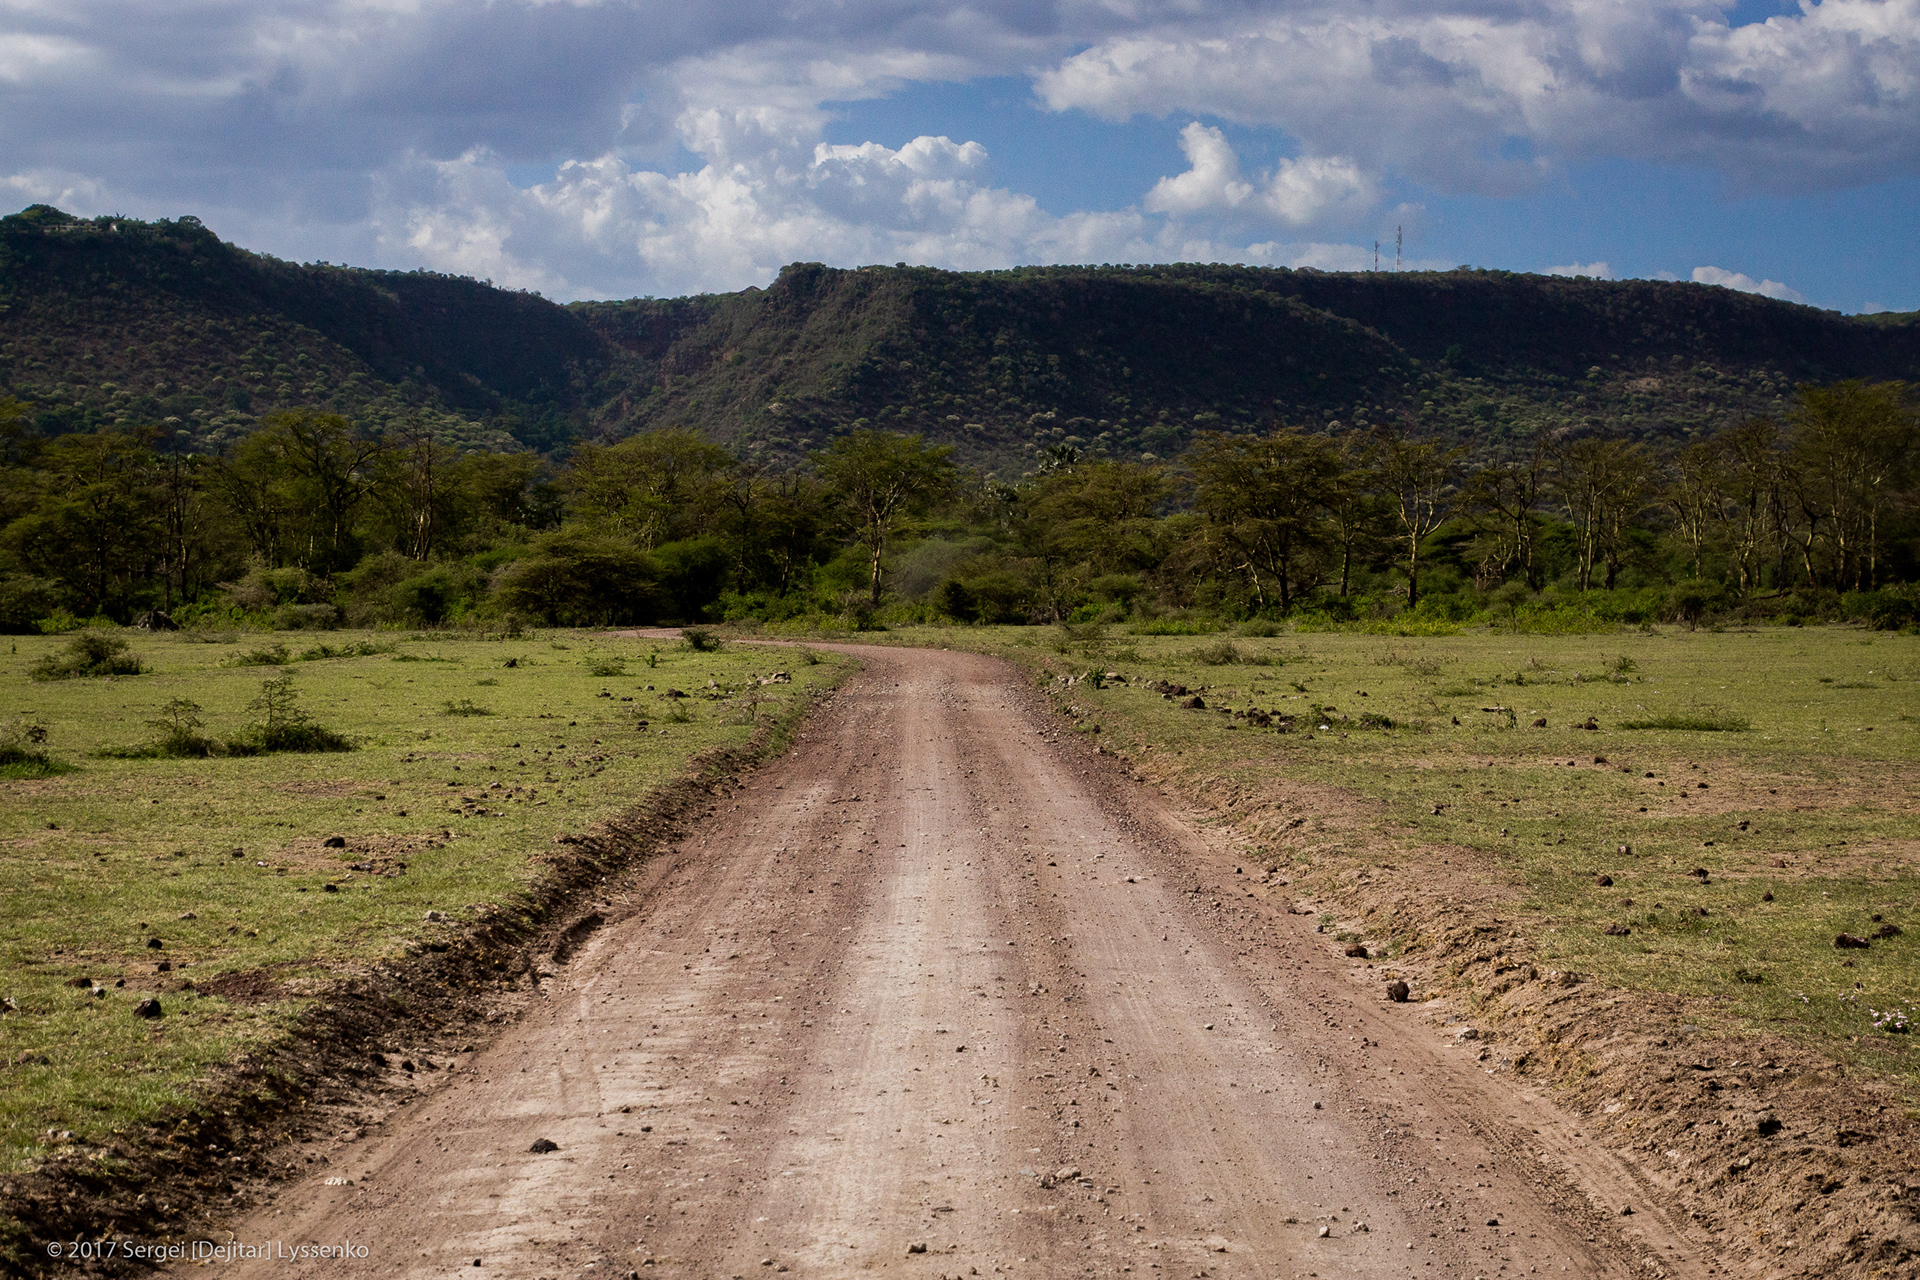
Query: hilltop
111,320
114,321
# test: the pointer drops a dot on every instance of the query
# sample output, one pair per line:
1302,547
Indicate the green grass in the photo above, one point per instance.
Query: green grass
1807,741
223,857
1707,721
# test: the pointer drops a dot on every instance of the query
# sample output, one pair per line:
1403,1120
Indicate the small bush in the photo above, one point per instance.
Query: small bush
1089,638
1175,627
274,655
1223,653
283,724
464,707
306,617
358,649
1219,654
179,725
610,667
1889,609
21,753
700,640
89,653
1708,720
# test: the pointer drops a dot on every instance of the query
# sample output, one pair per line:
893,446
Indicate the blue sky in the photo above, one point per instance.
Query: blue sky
1852,248
604,148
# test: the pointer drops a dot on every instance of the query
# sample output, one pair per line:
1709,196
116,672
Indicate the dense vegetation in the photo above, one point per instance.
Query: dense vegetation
190,428
114,322
1133,362
313,520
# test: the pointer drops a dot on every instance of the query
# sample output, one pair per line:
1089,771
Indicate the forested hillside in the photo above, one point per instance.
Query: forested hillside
1130,362
111,321
114,322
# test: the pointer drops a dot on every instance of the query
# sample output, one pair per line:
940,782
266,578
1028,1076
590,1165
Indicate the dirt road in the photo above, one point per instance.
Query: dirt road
940,994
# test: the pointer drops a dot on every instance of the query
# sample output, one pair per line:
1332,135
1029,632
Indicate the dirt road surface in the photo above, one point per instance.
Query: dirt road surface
944,992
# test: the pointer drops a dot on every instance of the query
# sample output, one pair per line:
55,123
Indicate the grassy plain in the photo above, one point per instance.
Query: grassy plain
470,756
1815,802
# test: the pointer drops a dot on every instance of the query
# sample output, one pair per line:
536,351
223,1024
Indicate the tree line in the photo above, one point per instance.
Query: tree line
315,520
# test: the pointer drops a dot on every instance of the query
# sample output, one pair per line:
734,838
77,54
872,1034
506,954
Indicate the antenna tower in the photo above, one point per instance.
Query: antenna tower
1396,248
1376,255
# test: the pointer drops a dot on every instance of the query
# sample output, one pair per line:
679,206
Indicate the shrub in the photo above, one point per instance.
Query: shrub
1000,597
955,600
273,655
1703,720
262,589
24,601
698,639
21,753
358,649
1888,609
1088,638
179,725
306,617
1176,627
283,724
89,653
692,573
1219,654
570,578
464,707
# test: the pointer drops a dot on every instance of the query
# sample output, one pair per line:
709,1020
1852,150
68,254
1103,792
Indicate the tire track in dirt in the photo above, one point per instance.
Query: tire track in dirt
947,995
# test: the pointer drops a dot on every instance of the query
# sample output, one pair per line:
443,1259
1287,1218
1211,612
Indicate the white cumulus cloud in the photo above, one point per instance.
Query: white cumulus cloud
1476,96
1746,283
687,143
1297,192
606,227
1598,270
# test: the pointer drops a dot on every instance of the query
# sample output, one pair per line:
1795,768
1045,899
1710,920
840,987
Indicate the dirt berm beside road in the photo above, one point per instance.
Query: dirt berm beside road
944,995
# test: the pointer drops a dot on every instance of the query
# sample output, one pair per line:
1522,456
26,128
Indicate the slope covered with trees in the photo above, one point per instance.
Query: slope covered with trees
1132,362
111,321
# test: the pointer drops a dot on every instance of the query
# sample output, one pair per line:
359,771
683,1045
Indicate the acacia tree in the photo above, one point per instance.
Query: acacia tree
1265,498
336,464
657,487
1852,447
1092,522
1603,485
878,478
297,483
1418,480
1695,493
1750,495
1505,498
90,524
186,521
1357,513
